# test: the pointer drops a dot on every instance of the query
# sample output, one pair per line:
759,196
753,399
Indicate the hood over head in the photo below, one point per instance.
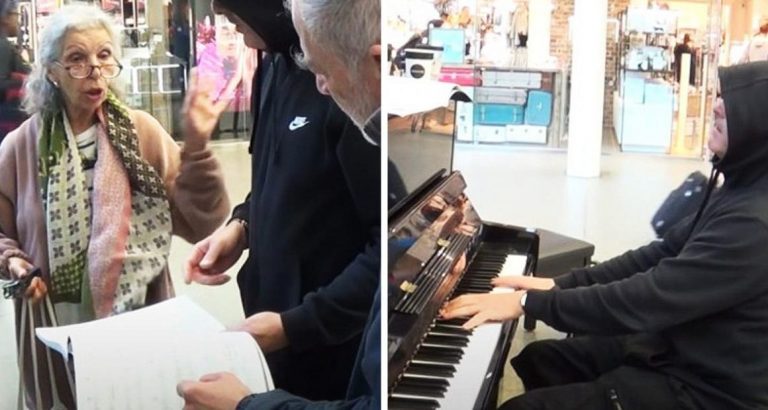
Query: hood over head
744,89
269,19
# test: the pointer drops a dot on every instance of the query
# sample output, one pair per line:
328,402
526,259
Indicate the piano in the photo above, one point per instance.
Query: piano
439,249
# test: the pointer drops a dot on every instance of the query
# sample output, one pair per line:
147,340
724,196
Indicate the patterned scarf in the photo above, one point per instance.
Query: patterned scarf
109,234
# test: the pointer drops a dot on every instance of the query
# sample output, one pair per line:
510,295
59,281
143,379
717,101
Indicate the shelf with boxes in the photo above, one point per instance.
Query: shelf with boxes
509,105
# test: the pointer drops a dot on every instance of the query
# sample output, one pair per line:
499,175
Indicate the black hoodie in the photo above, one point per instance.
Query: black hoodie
313,215
703,297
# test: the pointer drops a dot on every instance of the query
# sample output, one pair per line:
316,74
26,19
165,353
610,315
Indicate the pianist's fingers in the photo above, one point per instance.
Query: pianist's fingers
524,282
477,320
465,305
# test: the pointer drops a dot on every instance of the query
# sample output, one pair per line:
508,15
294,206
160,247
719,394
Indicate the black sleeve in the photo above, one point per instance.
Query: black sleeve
7,65
282,400
242,210
719,268
364,387
337,312
631,262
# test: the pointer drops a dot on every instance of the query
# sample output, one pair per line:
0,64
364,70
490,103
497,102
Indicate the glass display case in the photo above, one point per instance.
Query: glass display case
644,102
160,42
482,46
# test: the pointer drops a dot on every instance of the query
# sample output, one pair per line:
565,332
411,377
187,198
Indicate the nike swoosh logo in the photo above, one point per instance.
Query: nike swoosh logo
297,123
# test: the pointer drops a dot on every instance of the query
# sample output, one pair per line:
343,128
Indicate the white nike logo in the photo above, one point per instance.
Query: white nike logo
297,123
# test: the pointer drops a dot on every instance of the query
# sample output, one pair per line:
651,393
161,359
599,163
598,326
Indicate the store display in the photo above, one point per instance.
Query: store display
452,42
532,134
499,114
487,133
423,62
538,111
460,75
500,95
644,98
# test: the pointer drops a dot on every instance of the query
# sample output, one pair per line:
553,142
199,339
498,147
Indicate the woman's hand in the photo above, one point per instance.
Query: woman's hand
201,112
19,269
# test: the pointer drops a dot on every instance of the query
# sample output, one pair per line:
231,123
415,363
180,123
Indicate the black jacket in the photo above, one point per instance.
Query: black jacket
364,388
703,298
313,215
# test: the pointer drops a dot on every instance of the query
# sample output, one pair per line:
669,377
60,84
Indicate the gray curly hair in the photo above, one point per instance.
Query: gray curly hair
41,96
348,28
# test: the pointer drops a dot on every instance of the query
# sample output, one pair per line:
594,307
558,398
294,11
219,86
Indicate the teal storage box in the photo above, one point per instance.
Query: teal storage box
538,111
499,114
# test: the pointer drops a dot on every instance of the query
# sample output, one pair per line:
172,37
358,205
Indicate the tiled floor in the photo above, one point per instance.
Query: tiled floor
517,186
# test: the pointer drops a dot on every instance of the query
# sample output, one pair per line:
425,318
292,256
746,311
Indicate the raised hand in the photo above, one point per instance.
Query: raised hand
201,111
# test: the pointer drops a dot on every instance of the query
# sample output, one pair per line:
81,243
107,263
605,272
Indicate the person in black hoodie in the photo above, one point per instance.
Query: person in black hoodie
311,219
679,323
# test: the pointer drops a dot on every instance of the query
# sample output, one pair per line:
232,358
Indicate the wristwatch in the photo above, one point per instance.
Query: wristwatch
523,298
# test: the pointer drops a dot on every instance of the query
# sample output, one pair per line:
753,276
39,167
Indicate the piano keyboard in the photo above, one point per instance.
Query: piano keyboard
451,364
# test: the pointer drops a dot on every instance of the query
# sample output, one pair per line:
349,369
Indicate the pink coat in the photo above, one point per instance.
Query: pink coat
195,186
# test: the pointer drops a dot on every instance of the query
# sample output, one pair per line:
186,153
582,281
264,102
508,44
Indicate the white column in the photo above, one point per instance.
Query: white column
585,130
539,22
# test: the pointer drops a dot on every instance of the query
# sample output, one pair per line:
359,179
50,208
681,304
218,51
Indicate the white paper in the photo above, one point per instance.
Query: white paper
135,360
175,315
411,96
138,372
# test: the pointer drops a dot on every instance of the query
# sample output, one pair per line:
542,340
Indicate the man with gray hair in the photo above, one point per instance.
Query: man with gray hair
340,40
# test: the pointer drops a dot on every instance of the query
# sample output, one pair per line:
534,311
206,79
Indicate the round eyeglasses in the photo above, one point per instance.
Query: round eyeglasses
80,71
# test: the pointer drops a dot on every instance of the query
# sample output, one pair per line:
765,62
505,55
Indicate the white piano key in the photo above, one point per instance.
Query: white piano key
473,368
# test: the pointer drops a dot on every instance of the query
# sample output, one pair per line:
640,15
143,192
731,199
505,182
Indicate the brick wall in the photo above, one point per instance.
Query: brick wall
560,46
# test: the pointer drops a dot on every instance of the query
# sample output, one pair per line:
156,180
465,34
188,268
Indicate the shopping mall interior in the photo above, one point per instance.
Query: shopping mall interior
572,118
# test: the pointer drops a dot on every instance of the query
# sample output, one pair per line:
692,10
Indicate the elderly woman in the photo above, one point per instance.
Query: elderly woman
91,192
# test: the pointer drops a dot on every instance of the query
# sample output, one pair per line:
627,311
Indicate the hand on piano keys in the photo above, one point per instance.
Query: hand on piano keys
488,307
524,282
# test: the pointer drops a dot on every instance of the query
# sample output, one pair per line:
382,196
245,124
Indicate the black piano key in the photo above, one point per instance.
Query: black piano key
403,403
447,340
422,381
454,322
430,369
449,351
437,358
419,391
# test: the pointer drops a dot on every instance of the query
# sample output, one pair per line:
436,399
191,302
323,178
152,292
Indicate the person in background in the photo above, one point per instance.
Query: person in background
757,48
685,48
680,323
311,218
348,69
91,192
13,69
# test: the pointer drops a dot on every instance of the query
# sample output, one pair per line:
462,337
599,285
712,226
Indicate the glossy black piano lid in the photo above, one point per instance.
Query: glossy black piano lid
418,234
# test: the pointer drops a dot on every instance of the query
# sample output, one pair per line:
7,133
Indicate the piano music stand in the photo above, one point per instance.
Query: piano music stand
559,254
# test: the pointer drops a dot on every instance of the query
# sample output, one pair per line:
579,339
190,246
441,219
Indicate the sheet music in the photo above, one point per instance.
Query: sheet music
135,360
136,372
174,315
411,96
